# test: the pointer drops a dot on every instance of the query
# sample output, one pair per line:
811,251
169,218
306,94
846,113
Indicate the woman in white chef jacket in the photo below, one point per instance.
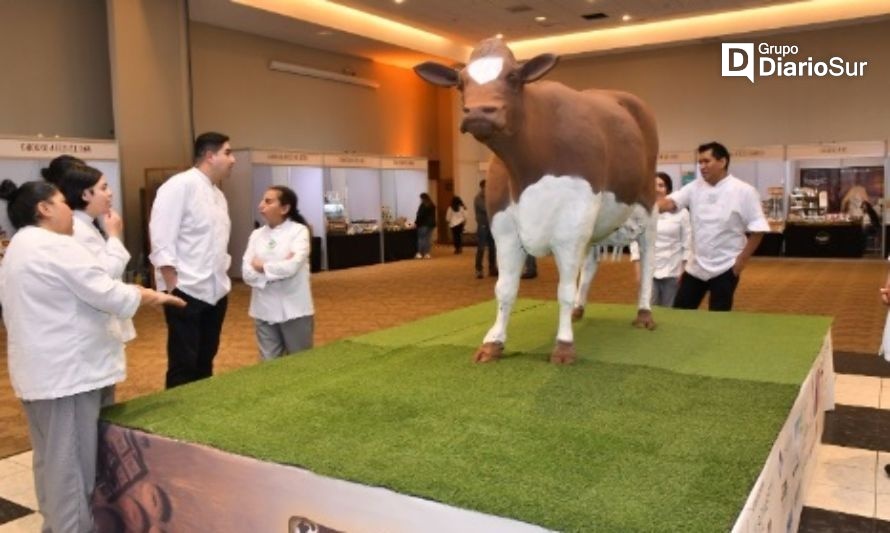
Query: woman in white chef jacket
276,267
673,247
56,302
87,192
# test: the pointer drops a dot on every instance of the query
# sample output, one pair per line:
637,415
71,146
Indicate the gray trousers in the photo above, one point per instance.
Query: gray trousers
64,434
283,338
664,291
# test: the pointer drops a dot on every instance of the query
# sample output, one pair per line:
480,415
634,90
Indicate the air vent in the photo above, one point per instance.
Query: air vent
594,16
518,9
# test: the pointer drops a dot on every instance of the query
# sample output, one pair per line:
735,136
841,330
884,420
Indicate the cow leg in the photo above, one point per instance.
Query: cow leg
646,240
569,257
591,262
510,260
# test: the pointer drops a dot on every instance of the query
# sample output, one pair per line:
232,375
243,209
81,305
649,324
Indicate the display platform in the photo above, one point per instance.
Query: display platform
705,424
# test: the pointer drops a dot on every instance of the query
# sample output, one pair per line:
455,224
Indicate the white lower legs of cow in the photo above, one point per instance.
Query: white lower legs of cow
646,240
588,271
511,257
569,257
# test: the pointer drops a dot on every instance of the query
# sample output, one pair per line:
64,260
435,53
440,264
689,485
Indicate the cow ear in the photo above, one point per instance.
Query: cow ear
437,74
536,67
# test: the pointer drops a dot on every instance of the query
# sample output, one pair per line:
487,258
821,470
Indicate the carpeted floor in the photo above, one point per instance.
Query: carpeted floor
355,301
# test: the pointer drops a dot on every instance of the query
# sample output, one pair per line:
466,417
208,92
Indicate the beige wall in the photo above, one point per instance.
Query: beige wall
693,103
149,72
54,58
236,93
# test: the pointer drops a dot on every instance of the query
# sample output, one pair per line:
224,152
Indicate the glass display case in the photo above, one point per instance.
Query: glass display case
352,192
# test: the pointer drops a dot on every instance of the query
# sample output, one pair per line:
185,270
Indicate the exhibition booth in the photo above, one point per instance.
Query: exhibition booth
21,159
360,208
837,199
399,431
821,200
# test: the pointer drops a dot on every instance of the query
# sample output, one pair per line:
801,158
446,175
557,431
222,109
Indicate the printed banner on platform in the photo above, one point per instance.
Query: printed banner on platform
151,483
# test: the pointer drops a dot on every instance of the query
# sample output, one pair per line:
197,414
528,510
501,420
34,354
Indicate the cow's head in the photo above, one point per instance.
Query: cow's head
490,85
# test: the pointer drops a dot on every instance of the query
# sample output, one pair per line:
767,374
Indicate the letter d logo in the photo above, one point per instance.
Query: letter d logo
738,60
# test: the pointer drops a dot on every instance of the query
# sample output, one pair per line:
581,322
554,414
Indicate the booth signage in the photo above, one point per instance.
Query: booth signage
676,157
286,158
837,150
758,153
403,163
354,161
52,148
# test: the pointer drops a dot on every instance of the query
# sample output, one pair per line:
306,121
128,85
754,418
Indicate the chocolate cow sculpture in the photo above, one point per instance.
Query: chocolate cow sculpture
572,171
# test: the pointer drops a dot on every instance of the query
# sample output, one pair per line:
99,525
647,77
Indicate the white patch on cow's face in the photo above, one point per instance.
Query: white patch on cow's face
485,69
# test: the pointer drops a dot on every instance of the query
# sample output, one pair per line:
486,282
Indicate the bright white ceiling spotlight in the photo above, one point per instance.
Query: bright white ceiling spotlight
500,35
399,1
540,18
626,17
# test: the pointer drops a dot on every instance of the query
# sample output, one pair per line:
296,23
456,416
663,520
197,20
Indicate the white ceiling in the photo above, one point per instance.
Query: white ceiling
473,20
416,30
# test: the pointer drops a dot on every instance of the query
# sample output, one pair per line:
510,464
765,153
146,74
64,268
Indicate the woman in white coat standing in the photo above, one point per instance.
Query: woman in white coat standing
56,302
87,192
276,267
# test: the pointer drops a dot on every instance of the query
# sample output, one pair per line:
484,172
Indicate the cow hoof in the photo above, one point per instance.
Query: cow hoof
577,313
644,320
489,351
563,353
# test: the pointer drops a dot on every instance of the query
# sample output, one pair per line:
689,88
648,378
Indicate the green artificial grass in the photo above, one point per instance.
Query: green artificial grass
649,431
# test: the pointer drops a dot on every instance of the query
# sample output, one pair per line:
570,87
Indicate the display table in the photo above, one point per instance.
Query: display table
346,251
315,255
824,239
705,424
398,245
771,244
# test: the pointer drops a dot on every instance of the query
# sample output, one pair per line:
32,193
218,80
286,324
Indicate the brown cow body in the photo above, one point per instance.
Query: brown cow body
571,170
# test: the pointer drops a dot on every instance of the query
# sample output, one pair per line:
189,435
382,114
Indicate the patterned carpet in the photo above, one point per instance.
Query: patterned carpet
360,300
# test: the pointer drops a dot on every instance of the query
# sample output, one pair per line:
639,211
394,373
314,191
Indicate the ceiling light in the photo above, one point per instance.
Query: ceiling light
500,36
399,1
300,70
626,17
540,19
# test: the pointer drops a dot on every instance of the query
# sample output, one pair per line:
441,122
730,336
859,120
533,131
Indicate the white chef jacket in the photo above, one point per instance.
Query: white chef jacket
720,215
673,244
189,231
456,218
113,257
281,292
56,301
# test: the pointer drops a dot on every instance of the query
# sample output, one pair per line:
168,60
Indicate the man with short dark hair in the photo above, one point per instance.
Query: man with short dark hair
189,229
723,209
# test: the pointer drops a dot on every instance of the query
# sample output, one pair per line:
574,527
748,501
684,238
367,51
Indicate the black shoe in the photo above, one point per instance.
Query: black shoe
492,273
479,274
887,469
529,275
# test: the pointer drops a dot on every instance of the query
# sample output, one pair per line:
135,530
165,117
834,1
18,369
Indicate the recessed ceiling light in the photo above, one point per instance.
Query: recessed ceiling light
399,1
325,32
500,36
626,17
540,19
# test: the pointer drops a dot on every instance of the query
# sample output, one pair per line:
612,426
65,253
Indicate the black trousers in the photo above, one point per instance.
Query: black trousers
457,235
692,291
192,338
486,240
